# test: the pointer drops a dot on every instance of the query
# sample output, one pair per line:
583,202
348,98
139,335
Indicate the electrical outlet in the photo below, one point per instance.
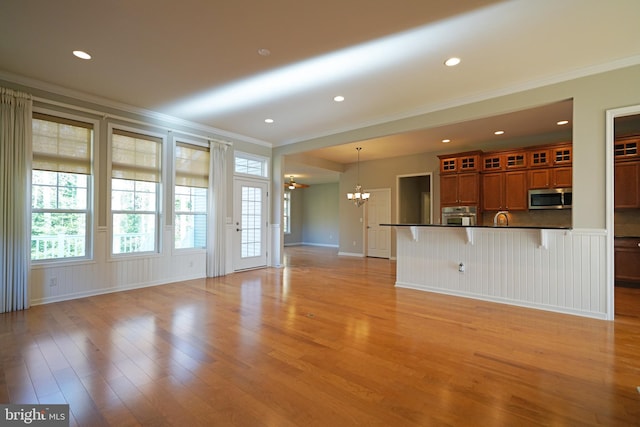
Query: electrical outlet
461,268
354,243
53,282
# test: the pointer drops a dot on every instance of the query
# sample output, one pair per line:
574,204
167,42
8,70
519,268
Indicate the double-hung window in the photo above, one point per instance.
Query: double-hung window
135,187
60,188
191,186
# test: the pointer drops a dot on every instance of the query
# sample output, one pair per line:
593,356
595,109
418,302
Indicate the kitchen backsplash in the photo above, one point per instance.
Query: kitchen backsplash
535,218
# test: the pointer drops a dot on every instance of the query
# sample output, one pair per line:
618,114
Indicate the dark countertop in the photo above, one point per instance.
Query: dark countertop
526,227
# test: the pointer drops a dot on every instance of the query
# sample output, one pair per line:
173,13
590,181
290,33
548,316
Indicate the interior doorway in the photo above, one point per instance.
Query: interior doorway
623,208
414,204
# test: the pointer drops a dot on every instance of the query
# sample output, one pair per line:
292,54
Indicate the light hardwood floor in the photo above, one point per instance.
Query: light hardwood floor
325,341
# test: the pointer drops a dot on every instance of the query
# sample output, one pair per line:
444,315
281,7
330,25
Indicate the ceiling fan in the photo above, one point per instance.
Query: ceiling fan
292,184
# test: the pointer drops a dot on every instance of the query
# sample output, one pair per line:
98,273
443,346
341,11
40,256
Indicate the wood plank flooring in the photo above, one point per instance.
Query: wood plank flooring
324,341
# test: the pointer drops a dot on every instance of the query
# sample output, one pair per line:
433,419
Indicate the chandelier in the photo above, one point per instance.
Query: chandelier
358,197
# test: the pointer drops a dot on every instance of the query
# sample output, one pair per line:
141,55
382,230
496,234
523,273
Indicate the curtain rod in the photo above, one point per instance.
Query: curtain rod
126,119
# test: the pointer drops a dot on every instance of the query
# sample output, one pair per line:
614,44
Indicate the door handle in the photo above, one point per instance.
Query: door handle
238,229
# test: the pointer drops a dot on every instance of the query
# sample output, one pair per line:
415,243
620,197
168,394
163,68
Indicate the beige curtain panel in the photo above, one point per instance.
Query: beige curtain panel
15,199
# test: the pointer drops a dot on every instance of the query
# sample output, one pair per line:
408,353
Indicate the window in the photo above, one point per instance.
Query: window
61,188
248,164
192,181
286,209
135,183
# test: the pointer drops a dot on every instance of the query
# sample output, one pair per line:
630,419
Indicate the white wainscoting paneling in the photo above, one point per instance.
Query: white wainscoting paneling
103,274
558,270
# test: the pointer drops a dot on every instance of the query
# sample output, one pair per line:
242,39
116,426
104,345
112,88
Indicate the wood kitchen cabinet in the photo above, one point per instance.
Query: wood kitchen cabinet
460,179
626,148
460,163
562,154
504,160
500,180
515,160
460,189
492,162
550,178
539,157
627,185
504,191
627,259
627,172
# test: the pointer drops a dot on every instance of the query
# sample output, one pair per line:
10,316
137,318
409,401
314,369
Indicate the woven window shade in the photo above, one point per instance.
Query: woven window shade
192,165
61,145
135,156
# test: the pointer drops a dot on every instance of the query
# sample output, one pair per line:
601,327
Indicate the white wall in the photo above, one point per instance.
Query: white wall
320,217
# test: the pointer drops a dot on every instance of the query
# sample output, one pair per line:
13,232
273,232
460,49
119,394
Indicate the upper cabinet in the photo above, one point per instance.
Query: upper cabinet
460,179
460,163
539,157
500,180
550,178
506,190
562,155
626,148
504,160
627,172
460,189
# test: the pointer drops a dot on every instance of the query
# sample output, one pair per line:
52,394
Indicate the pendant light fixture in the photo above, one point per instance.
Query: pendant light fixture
358,196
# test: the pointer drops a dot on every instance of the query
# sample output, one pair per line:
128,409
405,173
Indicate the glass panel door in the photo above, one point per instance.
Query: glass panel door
250,224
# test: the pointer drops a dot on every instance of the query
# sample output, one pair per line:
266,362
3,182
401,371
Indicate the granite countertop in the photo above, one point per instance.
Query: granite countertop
528,227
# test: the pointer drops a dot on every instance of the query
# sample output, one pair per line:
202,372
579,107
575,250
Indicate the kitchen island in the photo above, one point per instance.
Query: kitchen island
556,269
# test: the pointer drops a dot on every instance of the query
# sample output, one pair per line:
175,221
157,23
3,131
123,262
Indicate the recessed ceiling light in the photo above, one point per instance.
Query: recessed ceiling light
264,52
338,98
499,132
81,54
446,140
562,122
451,62
268,120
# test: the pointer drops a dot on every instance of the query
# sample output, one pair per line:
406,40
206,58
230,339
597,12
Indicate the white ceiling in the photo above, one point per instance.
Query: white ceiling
198,60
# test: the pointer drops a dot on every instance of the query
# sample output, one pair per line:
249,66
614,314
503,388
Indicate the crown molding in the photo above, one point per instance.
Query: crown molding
148,114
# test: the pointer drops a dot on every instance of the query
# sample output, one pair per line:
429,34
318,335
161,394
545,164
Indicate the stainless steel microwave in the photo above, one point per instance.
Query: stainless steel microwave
550,198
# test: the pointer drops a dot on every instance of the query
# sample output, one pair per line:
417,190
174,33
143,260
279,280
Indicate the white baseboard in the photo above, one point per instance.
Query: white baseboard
545,307
95,292
351,254
325,245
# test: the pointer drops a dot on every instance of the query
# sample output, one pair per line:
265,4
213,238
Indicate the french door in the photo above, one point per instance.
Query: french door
249,224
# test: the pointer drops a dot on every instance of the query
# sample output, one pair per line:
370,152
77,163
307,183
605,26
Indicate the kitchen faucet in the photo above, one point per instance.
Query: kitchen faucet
503,214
